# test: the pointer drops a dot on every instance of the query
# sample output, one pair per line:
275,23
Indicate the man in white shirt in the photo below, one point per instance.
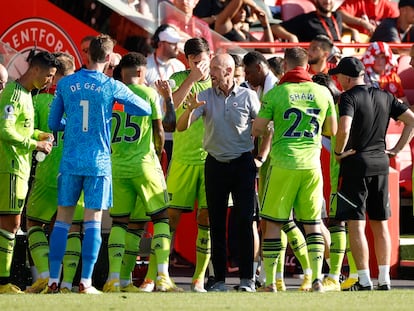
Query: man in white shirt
163,62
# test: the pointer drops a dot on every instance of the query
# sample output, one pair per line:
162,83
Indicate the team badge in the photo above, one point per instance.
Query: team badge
9,112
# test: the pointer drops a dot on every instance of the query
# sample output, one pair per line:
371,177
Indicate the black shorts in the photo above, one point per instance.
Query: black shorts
358,196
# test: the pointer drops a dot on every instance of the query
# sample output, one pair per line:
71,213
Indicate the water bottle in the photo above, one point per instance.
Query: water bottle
40,155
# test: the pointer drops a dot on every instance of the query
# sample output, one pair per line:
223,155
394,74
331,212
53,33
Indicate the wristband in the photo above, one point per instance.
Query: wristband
338,153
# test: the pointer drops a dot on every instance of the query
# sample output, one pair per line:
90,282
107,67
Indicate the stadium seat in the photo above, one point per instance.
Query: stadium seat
292,8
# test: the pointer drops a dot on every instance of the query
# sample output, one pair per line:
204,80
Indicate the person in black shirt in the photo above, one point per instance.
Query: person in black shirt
305,27
363,179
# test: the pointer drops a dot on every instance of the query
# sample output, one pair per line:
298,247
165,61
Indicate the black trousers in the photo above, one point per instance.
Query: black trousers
222,178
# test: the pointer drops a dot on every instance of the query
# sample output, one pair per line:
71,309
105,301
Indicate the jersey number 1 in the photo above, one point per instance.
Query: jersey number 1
85,114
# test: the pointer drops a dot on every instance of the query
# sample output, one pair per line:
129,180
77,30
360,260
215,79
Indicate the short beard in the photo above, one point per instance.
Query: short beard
321,8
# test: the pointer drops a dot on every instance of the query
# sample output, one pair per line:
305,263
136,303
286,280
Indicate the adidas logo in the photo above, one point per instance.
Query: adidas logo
118,255
72,265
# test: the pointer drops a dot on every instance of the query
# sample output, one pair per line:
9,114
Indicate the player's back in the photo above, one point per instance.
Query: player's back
87,98
132,136
299,111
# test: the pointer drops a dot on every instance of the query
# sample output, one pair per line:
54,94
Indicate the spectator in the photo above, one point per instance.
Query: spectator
381,70
318,52
208,10
365,15
360,149
231,22
229,166
163,62
17,141
304,27
295,152
3,77
397,29
86,161
187,23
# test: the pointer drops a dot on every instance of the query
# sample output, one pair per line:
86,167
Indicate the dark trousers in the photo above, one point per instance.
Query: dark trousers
237,177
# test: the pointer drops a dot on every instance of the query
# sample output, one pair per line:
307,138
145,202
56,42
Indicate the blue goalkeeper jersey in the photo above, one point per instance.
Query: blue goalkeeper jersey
82,107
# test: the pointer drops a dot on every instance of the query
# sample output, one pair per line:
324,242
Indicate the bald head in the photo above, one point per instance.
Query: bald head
222,71
225,60
3,77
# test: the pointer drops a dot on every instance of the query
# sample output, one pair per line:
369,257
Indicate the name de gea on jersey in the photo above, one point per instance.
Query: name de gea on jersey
86,86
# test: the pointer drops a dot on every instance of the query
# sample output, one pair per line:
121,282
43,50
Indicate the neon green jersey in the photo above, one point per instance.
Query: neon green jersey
188,145
132,141
298,111
16,130
334,165
48,170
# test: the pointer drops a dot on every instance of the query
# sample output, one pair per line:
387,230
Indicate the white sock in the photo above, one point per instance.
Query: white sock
163,269
307,271
262,274
113,276
255,265
334,276
51,281
66,285
364,277
86,282
384,275
124,283
44,275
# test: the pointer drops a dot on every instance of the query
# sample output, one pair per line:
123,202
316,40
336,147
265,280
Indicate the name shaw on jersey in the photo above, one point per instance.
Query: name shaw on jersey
302,96
86,86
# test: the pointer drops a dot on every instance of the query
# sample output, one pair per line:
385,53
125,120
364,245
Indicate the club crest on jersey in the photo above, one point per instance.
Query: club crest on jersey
9,112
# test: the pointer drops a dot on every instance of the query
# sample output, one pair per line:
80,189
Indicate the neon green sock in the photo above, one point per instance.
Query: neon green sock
7,241
72,257
132,240
39,248
280,269
337,249
271,254
203,252
161,243
297,243
351,262
316,246
116,249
